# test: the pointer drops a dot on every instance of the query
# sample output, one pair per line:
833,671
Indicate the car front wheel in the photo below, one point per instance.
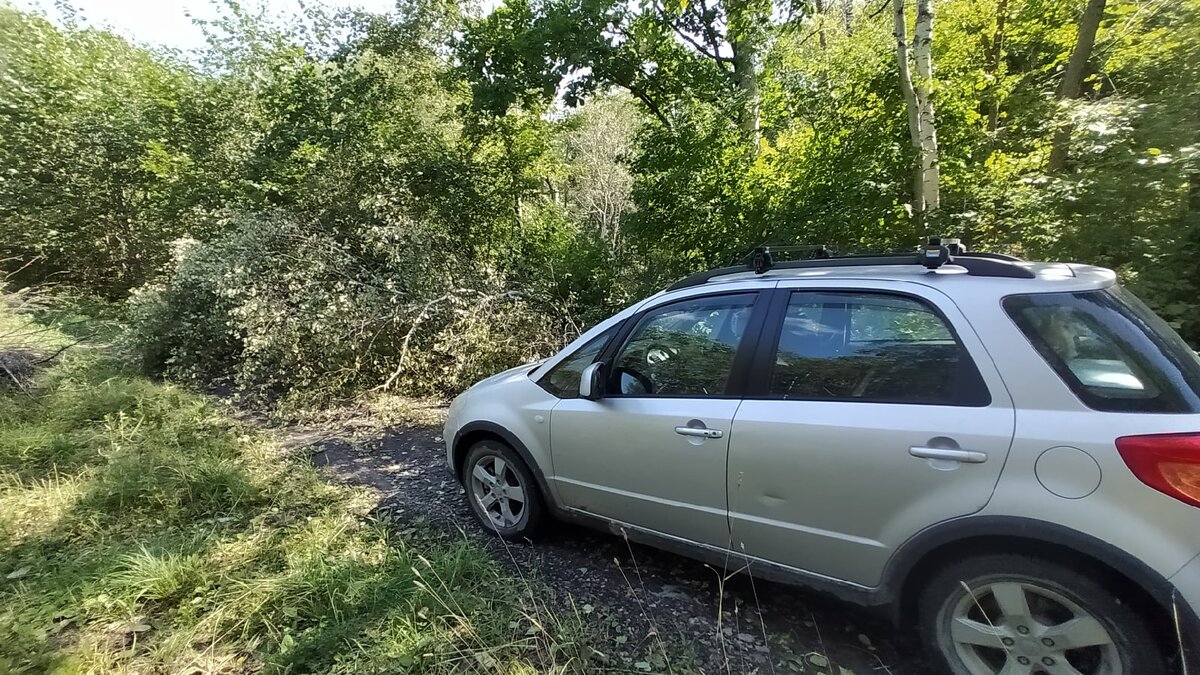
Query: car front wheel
1016,615
502,491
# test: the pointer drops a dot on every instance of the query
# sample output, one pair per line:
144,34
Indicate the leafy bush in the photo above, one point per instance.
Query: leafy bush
283,306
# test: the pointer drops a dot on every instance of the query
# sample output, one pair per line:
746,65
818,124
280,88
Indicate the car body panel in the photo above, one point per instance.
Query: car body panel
798,470
835,491
621,458
1187,582
1163,532
522,409
1186,610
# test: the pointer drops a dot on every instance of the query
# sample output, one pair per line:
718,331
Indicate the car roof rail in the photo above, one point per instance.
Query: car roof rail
936,253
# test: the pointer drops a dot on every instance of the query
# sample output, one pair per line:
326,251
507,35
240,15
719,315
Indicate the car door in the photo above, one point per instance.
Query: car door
873,414
652,451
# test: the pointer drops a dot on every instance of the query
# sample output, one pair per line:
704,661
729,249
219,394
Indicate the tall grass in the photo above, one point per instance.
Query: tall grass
142,530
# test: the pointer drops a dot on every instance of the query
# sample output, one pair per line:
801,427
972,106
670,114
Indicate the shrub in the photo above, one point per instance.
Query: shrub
285,307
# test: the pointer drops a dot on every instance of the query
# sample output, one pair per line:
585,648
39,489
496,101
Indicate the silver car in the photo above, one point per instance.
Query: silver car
1003,453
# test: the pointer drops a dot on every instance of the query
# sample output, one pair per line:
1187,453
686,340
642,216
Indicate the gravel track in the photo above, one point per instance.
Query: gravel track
635,594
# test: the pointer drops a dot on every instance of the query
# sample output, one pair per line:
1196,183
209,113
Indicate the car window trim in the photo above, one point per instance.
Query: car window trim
543,379
739,375
762,369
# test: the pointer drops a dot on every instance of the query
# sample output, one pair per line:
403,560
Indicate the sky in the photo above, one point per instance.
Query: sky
166,22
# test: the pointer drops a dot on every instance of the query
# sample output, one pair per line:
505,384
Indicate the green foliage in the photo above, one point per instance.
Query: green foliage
364,200
109,151
834,163
308,213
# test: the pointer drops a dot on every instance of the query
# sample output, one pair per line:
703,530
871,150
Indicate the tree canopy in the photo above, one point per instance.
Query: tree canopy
364,199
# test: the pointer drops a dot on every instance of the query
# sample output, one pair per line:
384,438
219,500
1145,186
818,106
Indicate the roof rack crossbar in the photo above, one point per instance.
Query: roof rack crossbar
976,264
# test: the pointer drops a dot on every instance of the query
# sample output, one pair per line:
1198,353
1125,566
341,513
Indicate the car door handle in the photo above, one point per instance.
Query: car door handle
702,432
952,454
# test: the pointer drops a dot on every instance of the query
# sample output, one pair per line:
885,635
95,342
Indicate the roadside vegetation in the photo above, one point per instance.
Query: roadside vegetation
350,202
144,530
313,213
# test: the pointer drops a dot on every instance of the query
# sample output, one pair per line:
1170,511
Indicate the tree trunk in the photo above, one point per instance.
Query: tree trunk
1071,85
821,37
848,16
745,59
993,55
912,105
923,57
1194,196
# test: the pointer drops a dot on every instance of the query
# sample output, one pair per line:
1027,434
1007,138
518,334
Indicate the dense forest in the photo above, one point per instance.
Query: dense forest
408,202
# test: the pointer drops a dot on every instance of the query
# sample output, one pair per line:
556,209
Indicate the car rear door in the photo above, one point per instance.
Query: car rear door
652,452
871,414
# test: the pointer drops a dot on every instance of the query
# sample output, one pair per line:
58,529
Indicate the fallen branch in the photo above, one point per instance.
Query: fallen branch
64,348
424,314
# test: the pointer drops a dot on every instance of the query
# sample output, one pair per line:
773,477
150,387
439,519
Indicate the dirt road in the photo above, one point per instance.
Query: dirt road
637,594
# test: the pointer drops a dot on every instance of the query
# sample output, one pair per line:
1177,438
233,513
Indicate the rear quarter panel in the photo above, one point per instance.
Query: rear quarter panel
1162,532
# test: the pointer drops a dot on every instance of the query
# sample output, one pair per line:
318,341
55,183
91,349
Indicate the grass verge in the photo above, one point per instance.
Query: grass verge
142,530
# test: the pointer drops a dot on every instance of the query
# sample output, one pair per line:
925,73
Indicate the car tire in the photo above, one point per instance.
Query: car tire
502,491
1018,614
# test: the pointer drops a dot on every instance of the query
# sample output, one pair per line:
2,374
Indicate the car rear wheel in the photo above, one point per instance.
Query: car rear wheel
502,491
1016,615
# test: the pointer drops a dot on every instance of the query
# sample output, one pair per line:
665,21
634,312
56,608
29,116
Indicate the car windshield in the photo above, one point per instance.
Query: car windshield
1114,352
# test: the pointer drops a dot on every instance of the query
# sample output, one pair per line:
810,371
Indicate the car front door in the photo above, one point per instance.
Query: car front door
651,453
872,415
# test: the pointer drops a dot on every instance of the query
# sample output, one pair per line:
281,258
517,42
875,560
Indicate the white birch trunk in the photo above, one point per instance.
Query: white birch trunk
923,56
912,106
848,16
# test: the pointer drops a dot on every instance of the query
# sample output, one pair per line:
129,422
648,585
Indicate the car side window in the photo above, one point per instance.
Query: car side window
563,379
1112,350
871,347
683,349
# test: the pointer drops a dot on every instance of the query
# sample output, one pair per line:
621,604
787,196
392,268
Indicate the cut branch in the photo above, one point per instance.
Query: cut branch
424,314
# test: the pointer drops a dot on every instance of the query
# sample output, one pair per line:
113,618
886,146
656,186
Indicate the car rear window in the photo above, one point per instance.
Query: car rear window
1114,352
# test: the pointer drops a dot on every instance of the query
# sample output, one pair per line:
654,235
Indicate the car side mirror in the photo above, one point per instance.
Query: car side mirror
591,382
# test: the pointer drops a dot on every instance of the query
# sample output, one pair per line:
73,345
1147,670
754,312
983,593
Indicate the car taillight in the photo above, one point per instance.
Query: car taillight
1169,463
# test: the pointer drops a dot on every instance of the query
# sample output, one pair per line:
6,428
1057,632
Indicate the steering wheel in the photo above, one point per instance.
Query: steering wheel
643,381
656,354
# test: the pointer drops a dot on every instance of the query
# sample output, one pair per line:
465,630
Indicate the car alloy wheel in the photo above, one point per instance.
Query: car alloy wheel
1009,626
499,491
